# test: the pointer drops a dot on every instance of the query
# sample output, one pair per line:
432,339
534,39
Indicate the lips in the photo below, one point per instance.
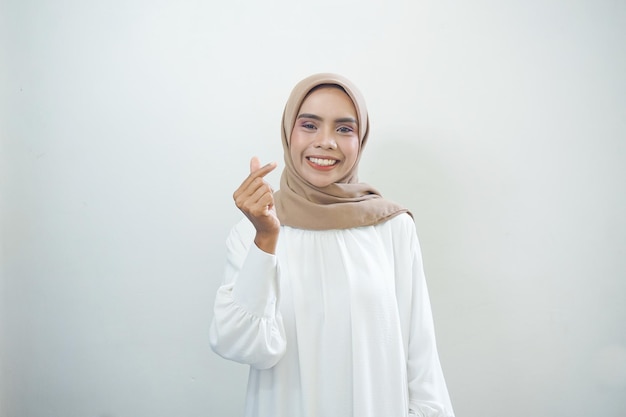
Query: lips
322,162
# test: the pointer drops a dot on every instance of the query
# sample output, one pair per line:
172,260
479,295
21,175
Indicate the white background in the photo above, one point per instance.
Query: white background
126,125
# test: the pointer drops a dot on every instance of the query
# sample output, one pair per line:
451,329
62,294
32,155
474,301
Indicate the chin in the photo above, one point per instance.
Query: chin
319,184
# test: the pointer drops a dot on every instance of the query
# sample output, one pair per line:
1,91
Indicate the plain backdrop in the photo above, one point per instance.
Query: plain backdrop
127,124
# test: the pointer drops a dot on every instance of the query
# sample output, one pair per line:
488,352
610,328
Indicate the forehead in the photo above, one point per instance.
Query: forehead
328,98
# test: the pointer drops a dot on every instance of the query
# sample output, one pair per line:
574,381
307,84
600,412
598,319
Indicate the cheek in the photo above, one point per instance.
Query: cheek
351,151
295,147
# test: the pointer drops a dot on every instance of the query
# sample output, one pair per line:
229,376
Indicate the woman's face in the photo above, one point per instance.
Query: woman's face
324,142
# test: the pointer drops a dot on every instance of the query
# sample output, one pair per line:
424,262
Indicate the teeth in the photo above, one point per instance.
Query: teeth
323,162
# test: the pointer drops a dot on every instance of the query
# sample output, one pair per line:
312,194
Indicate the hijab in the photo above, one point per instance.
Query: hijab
341,205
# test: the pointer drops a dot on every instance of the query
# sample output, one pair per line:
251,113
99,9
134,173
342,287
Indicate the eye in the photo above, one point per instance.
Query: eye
308,125
345,129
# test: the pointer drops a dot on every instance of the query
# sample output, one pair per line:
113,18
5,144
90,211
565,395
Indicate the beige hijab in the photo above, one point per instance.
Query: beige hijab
341,205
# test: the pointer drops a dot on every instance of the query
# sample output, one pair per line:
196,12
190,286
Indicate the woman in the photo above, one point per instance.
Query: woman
324,294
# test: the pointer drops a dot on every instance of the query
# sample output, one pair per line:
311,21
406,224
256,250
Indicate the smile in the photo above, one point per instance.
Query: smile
323,162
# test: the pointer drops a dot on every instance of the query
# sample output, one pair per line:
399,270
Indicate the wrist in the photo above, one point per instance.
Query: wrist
266,242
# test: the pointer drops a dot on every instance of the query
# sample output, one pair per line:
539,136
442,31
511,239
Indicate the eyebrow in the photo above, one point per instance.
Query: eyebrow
316,117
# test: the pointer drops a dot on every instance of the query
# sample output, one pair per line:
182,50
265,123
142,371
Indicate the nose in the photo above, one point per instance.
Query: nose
326,140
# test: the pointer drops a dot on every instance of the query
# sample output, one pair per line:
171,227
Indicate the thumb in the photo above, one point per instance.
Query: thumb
254,164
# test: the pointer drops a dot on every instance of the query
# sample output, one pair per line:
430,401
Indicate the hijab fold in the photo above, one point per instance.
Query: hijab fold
341,205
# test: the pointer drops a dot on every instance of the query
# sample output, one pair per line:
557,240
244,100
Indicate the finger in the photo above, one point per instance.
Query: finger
248,194
258,204
255,164
265,169
264,189
262,207
252,183
260,172
254,180
267,201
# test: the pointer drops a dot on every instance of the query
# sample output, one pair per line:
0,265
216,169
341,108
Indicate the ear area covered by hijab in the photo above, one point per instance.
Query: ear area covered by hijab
342,205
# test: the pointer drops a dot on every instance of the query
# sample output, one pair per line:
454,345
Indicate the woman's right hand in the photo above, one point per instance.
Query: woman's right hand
255,198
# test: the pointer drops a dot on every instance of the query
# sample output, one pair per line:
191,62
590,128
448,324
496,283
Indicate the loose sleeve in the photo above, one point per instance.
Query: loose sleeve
428,393
247,326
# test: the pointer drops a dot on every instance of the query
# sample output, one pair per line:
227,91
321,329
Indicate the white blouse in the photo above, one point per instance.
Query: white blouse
338,323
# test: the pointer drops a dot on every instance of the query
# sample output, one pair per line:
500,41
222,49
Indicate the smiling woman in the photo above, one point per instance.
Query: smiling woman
324,143
324,294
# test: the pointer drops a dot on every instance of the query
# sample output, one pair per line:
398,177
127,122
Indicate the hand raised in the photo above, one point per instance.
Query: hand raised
255,198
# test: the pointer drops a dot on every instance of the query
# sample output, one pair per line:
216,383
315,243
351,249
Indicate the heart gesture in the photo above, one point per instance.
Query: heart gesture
255,198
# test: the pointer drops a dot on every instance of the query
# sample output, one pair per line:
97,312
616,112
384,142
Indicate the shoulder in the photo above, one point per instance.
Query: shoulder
401,232
402,223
